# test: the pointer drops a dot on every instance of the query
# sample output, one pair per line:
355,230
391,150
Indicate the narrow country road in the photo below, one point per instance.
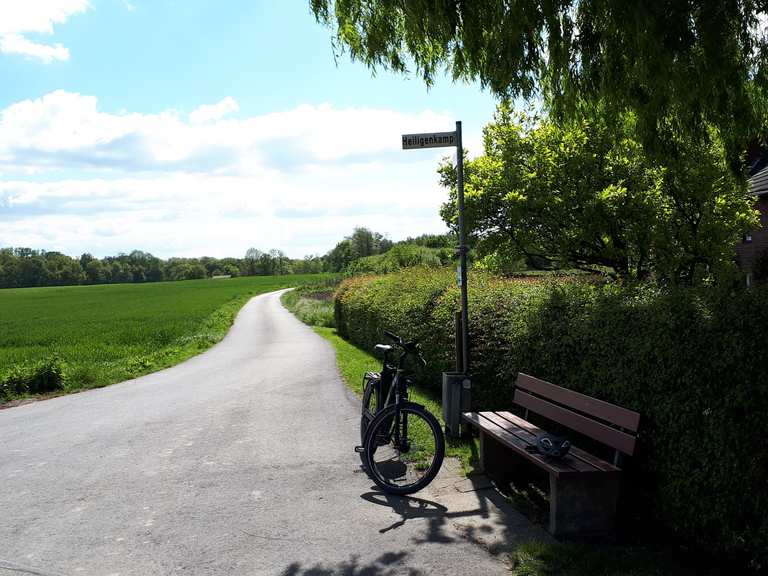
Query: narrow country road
238,461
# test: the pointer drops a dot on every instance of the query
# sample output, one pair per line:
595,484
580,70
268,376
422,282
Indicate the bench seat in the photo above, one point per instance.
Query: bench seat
516,434
583,488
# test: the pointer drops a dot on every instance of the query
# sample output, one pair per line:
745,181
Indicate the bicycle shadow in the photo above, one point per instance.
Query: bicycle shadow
474,512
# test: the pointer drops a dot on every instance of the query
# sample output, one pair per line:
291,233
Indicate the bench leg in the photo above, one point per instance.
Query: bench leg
582,503
494,458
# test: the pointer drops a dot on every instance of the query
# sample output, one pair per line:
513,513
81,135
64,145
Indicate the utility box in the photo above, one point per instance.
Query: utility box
457,397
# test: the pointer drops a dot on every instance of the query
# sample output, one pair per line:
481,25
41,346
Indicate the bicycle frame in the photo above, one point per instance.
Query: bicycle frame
398,387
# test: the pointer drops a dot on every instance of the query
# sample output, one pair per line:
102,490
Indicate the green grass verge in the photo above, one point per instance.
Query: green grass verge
312,305
569,559
98,335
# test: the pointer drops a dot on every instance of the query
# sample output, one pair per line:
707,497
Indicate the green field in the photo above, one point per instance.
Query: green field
107,333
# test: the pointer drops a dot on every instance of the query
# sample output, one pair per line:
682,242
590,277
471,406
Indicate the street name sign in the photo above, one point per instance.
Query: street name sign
429,140
445,140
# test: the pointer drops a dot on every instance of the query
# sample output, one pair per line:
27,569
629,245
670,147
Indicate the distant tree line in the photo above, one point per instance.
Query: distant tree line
25,267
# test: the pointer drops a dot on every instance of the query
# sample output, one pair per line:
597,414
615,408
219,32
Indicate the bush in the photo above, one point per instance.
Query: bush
400,256
44,376
690,361
311,304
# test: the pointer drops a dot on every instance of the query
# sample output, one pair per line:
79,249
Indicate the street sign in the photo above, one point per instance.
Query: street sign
429,140
440,140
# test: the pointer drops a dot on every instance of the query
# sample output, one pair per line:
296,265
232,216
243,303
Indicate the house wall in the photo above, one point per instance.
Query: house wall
748,252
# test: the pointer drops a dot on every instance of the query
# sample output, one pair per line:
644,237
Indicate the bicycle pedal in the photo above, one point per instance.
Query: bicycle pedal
359,449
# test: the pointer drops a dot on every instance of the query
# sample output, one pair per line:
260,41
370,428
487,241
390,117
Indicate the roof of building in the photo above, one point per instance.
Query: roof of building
758,179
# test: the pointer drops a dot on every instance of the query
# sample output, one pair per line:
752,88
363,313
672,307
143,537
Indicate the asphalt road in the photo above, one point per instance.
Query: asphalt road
238,461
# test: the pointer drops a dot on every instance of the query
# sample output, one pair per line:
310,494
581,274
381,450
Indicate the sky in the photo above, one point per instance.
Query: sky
201,127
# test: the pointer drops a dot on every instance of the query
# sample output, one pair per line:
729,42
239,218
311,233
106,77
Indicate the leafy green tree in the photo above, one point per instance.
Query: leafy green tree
680,65
94,271
195,271
251,262
341,255
585,194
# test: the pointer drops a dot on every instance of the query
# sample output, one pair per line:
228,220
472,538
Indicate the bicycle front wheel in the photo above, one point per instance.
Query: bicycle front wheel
404,448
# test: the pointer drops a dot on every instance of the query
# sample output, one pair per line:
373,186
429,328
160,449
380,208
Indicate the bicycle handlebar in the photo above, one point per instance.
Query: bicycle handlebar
407,347
394,337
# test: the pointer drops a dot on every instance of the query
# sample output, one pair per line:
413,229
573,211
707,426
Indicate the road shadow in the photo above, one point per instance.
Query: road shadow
388,564
471,510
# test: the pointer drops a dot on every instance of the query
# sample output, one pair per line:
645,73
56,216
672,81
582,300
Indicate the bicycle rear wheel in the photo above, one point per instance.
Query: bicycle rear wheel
404,448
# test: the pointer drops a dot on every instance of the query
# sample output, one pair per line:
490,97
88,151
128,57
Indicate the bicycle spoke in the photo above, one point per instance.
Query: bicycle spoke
409,458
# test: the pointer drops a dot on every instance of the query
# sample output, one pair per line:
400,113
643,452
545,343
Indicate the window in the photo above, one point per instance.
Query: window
748,237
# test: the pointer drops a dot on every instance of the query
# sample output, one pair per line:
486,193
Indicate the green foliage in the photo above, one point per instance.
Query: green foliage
680,65
570,559
45,375
585,194
691,361
311,305
88,336
24,267
362,243
401,255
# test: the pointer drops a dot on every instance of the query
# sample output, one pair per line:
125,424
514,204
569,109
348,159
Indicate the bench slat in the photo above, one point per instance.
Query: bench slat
616,415
577,452
515,443
531,440
602,433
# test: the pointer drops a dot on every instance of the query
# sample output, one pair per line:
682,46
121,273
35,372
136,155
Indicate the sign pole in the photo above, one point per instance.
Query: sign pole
462,251
450,140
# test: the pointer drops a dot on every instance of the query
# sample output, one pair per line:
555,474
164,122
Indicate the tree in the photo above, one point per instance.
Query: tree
584,194
680,65
94,272
195,271
251,261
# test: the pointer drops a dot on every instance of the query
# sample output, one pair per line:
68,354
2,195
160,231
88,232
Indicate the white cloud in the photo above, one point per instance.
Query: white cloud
64,129
17,44
78,179
17,19
210,112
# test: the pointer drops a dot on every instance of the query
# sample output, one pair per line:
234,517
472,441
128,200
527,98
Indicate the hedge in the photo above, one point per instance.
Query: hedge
692,362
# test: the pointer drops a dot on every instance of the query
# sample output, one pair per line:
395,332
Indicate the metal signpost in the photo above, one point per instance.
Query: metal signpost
456,386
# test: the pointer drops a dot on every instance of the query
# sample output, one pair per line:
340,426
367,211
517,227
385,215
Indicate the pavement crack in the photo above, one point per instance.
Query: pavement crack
13,567
270,537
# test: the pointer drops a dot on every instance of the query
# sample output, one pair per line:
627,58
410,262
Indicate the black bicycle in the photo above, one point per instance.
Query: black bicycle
402,443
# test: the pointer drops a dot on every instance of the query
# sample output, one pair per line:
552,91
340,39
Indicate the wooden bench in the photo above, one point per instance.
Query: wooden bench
583,489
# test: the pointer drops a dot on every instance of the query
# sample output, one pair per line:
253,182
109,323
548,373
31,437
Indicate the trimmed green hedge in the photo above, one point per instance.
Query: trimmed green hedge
692,362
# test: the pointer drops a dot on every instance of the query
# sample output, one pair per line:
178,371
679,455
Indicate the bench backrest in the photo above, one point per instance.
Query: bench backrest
607,423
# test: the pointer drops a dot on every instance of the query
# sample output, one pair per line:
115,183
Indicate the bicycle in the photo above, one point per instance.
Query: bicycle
402,442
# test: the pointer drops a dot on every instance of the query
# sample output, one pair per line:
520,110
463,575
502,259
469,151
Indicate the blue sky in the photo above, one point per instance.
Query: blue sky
199,127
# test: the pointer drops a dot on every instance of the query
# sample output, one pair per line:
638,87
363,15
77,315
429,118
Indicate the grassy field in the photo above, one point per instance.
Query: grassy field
107,333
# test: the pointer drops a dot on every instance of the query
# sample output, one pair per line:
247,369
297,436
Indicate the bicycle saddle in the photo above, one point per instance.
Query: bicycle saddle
383,347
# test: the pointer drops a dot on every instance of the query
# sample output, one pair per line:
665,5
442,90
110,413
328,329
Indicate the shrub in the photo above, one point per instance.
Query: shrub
312,305
400,256
691,361
46,375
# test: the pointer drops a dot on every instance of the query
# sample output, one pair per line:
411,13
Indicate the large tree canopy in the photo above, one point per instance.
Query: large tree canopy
680,65
584,194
